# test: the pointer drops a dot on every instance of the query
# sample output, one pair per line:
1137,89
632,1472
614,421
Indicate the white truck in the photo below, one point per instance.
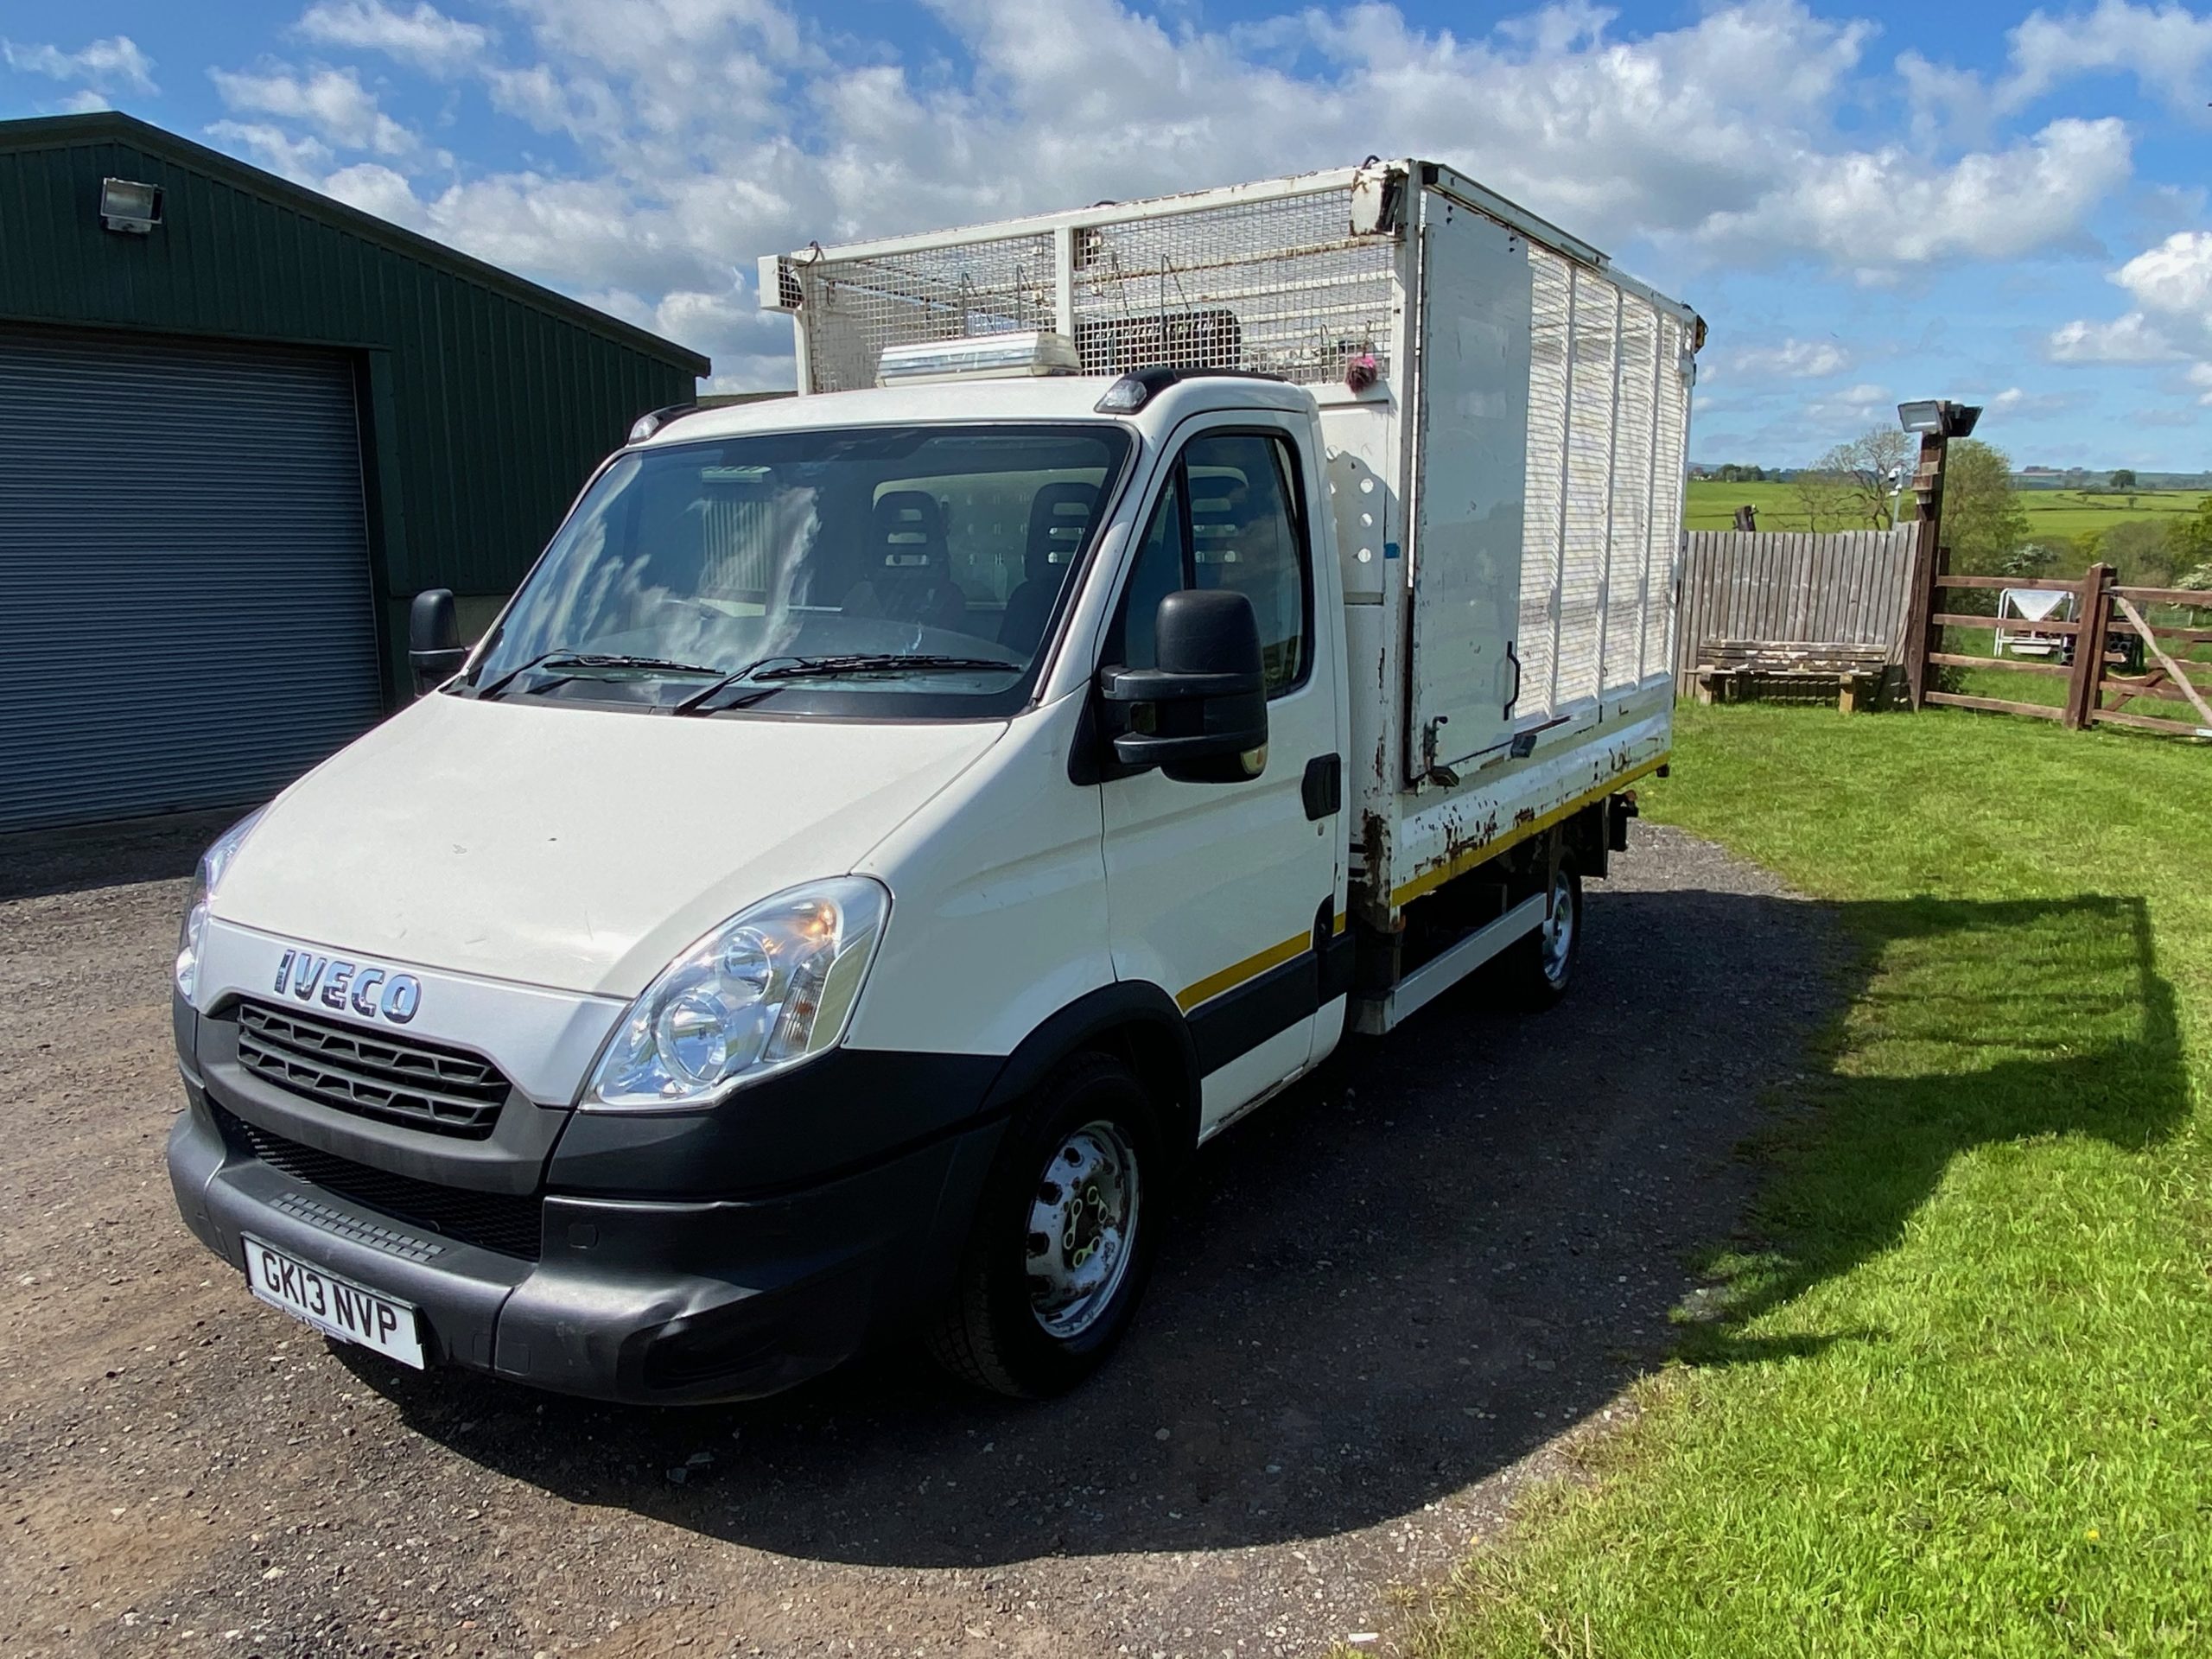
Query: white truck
892,828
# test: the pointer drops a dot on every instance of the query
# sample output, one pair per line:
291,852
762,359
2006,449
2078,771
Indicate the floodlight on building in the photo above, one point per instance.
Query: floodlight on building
129,206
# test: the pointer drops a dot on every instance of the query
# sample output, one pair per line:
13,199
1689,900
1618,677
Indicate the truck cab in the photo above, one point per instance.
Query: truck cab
852,778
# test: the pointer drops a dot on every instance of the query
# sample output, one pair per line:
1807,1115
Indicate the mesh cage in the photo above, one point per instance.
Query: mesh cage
1280,286
1587,520
1551,282
1669,466
852,309
1607,408
1628,549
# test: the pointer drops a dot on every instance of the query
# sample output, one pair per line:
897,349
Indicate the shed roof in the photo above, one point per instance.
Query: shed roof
58,131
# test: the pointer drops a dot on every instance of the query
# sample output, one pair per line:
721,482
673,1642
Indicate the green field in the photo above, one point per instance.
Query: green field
1713,505
1958,1396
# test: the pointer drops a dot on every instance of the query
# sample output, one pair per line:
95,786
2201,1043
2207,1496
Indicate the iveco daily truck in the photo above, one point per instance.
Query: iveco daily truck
892,828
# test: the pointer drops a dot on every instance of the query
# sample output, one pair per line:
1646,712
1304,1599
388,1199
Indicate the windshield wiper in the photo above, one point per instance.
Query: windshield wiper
766,673
557,660
884,662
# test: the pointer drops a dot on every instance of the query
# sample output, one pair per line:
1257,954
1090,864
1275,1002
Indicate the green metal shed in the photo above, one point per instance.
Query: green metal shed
241,424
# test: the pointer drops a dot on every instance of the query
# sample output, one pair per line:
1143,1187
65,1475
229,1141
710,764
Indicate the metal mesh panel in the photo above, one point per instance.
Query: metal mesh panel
1589,475
1629,549
1277,286
853,309
1551,280
1668,469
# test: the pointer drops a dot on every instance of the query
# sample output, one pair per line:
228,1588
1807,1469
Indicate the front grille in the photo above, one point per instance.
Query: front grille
508,1223
397,1079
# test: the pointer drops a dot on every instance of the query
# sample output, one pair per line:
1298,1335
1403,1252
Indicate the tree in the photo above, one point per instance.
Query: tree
1983,520
1823,496
1872,463
2141,550
2123,479
2192,538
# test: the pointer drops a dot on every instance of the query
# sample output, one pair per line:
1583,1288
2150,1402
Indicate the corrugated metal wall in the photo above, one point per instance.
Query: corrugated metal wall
498,399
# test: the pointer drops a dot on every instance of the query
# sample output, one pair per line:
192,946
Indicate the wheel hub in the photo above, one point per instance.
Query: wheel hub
1081,1223
1556,940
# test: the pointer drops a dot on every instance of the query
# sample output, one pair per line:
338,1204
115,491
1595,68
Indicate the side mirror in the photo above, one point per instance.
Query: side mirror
434,647
1201,716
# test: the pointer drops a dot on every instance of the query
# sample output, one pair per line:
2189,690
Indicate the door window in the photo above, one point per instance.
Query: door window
1230,518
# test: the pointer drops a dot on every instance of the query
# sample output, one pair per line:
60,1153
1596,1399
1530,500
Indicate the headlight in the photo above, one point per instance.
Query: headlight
192,935
769,987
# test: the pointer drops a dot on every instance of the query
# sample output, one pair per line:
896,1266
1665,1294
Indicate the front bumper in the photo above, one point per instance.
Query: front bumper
634,1299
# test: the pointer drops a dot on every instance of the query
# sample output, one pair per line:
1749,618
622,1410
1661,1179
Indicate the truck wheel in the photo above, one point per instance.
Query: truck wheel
1540,968
1062,1242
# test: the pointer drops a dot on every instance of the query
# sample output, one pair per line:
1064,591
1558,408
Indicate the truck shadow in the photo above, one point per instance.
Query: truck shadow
1434,1258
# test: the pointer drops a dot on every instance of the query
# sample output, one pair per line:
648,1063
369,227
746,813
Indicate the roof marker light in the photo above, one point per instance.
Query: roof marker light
978,357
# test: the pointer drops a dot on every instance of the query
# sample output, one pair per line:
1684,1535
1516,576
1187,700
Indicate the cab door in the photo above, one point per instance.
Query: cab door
1227,894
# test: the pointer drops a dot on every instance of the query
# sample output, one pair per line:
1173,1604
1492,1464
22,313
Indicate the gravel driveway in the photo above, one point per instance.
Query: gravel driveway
1392,1293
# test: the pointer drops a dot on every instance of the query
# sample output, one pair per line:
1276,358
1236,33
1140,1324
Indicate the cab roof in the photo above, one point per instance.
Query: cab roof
1040,398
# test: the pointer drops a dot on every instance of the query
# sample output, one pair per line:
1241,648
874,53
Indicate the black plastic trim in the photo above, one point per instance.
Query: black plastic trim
1239,1020
1125,1003
845,1110
1323,787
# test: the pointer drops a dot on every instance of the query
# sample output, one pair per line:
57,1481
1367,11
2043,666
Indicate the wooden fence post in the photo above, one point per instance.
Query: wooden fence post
2089,647
1919,636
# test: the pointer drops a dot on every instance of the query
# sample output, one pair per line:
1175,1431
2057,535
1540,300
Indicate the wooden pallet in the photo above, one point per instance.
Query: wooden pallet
1736,671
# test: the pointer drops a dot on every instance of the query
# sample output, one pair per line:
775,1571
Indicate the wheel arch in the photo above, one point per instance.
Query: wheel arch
1134,1019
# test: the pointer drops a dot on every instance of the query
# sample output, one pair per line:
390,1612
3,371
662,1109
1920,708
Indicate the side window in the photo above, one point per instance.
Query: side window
1161,568
1242,531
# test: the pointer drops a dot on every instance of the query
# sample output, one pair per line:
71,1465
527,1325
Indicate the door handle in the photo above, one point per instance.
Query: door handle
1322,787
1512,657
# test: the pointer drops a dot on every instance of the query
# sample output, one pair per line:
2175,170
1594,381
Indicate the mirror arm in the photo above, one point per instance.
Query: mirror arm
1165,685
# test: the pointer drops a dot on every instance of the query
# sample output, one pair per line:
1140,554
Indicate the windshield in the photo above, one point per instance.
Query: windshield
884,572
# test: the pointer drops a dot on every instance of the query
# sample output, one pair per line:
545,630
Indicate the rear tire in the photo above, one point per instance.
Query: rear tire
1063,1238
1539,970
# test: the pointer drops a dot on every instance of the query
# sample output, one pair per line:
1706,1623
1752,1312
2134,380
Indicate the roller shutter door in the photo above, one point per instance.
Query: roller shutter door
186,615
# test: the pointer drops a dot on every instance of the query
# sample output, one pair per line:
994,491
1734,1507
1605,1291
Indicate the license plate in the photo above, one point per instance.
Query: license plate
337,1307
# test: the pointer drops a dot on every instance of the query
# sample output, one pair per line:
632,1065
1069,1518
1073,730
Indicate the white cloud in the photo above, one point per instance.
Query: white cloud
2130,338
1852,409
302,160
707,131
2200,374
2171,286
1871,211
2167,49
375,188
332,102
1791,359
114,64
2015,403
425,37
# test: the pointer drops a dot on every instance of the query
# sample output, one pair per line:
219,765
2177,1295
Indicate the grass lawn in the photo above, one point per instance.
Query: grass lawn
1958,1399
1712,506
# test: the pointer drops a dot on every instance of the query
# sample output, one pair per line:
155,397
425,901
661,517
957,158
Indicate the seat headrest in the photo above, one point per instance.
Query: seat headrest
1059,517
909,529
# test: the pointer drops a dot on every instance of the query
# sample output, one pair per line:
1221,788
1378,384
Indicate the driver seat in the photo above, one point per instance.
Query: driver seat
1059,517
909,580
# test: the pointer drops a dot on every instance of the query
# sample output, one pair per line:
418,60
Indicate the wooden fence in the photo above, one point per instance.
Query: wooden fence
2109,655
1851,588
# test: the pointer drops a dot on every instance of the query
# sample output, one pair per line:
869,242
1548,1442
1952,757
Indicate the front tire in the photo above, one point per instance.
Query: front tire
1062,1242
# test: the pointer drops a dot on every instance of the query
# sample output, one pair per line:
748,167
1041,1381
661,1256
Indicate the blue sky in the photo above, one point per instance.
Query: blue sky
1866,202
